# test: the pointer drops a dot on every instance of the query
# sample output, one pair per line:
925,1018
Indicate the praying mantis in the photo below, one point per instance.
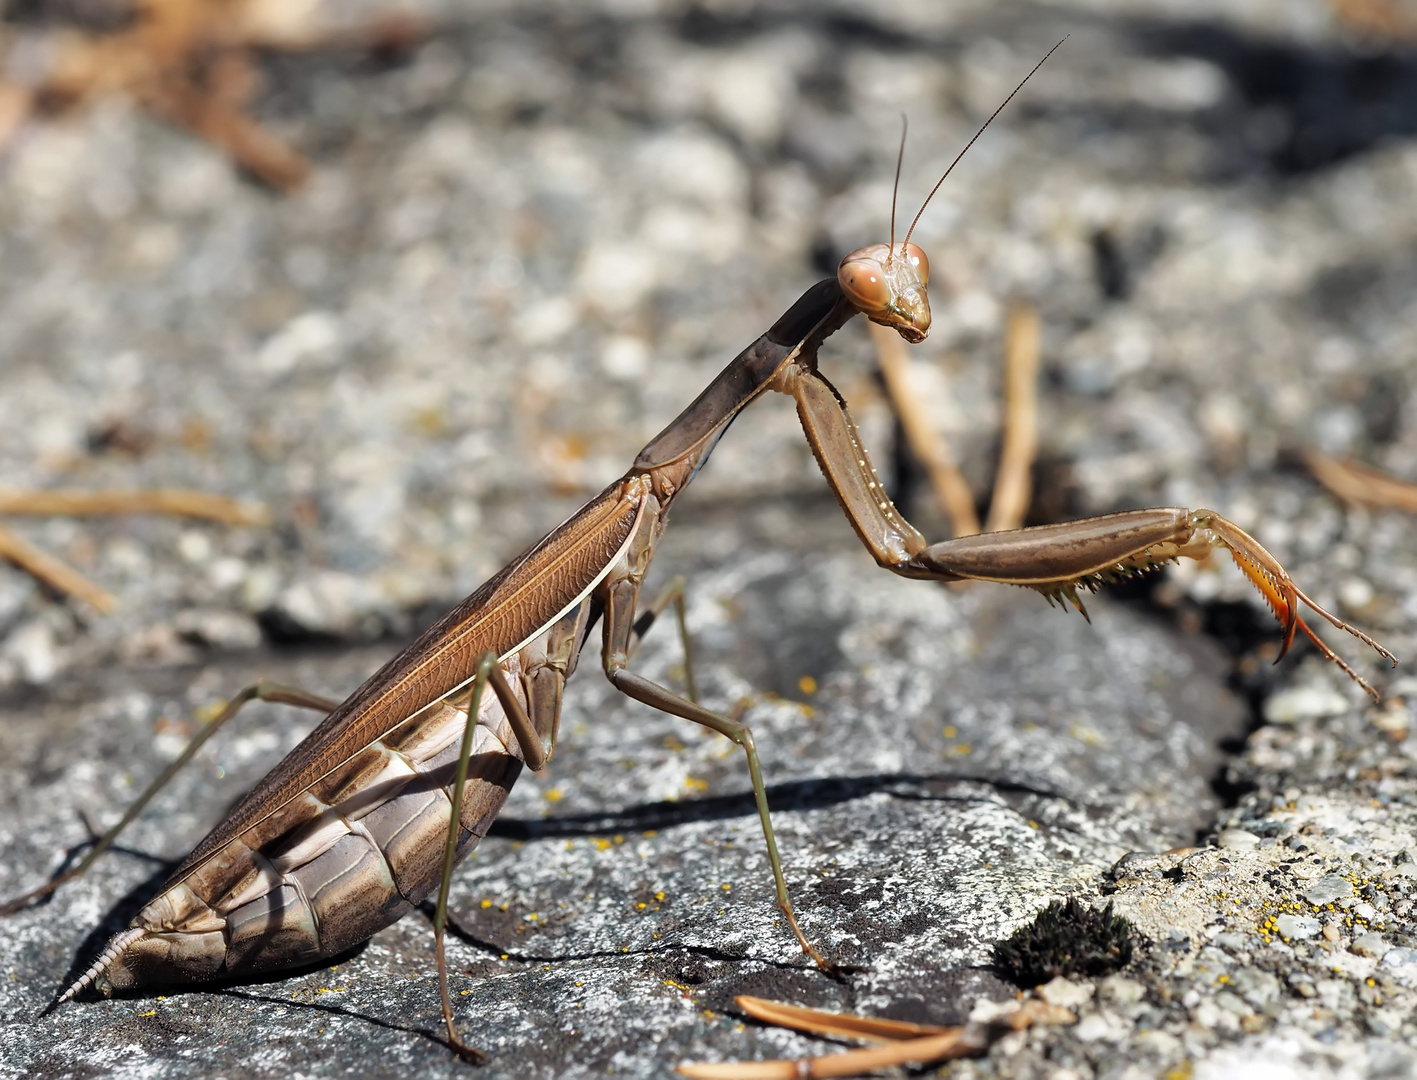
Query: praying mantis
369,814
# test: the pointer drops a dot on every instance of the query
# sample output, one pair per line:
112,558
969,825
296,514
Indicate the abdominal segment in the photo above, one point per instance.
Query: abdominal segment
345,859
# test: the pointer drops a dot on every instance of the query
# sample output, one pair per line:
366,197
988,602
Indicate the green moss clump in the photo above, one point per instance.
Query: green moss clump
1066,939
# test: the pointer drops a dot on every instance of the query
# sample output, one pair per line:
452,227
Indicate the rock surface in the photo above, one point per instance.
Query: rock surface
526,245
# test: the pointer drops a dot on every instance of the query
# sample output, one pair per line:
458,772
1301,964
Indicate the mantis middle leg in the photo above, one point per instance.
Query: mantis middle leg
620,637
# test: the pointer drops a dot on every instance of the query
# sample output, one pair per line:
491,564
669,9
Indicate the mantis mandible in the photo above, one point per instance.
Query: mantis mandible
369,814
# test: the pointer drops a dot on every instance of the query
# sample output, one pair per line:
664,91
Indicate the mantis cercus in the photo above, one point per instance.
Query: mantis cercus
354,827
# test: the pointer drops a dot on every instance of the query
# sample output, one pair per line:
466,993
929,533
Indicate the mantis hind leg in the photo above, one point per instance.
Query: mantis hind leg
261,691
535,750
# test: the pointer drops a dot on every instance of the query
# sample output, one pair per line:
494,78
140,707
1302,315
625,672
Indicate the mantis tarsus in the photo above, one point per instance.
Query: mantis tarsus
353,828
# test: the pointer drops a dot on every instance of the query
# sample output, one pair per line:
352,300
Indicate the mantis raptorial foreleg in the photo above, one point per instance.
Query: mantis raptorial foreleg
1056,560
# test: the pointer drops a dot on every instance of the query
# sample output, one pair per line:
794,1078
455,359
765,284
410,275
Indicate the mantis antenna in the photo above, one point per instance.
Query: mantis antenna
961,154
895,188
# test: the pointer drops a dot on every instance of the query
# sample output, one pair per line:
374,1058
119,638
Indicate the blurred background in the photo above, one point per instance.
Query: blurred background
420,277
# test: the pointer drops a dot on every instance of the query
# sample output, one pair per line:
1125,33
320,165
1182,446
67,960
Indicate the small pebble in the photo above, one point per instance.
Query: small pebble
1370,944
34,649
217,628
1328,889
1305,703
1206,1014
1094,1027
1256,986
1122,990
1065,993
1238,838
1296,926
1231,1003
194,546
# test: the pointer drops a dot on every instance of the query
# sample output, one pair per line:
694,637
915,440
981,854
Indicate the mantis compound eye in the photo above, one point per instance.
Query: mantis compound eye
863,279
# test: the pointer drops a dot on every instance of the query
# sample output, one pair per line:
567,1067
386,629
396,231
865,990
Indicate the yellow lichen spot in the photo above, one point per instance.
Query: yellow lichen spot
964,748
951,731
1033,824
659,896
650,832
641,905
618,838
807,684
693,783
432,420
504,956
725,888
486,903
553,794
601,844
153,1012
532,917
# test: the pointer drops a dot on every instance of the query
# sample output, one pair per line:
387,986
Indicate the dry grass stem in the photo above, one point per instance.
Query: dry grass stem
905,1044
50,571
953,1043
928,446
833,1025
1391,20
178,502
1362,485
1013,484
193,63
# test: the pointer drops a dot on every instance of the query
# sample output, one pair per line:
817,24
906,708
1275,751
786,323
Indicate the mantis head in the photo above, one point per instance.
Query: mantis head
887,285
